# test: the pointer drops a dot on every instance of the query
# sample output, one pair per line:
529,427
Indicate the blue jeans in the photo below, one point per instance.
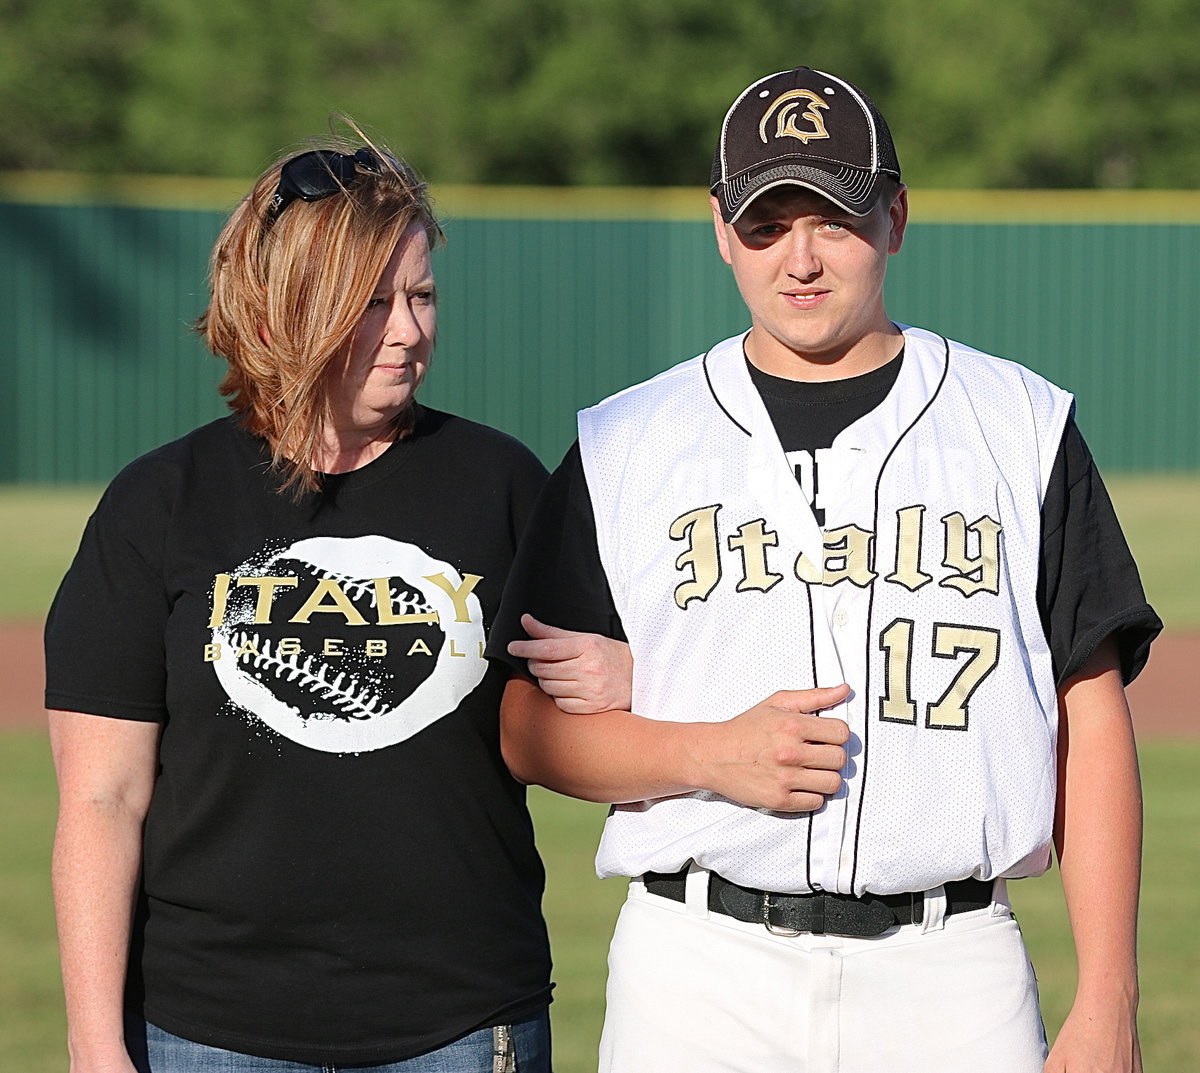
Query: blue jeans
165,1053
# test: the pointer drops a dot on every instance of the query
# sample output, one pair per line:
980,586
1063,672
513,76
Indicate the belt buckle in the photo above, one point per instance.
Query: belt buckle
770,925
833,915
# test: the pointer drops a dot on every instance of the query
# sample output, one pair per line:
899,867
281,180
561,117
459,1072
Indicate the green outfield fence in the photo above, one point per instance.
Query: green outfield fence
551,299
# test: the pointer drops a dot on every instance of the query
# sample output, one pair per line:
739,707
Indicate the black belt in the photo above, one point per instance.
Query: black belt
821,913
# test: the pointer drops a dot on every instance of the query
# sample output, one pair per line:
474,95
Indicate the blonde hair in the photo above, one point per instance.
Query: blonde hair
288,286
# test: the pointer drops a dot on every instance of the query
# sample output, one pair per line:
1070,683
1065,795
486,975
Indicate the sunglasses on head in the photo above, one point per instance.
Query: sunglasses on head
318,174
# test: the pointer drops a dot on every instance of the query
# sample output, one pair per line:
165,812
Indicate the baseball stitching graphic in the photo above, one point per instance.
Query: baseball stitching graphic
340,674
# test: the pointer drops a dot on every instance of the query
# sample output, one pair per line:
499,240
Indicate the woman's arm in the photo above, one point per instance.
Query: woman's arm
1098,836
106,769
583,672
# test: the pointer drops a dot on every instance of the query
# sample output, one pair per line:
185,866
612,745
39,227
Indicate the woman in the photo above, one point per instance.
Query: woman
291,834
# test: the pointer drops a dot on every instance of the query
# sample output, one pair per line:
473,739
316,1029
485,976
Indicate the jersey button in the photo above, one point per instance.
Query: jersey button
841,616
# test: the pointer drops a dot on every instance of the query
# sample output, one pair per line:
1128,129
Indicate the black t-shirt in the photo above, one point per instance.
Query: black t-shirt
337,865
1088,586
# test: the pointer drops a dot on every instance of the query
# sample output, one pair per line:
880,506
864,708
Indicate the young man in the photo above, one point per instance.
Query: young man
910,539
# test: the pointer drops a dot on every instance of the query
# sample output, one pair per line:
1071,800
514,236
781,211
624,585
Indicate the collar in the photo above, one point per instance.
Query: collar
875,435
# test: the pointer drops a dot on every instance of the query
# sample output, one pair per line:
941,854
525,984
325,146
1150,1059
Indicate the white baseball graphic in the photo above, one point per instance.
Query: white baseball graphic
283,672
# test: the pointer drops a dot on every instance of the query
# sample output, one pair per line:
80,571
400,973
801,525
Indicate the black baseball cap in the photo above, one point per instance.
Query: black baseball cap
806,128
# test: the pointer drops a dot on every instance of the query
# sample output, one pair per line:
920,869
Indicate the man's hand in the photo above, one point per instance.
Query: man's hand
585,673
778,755
1097,1041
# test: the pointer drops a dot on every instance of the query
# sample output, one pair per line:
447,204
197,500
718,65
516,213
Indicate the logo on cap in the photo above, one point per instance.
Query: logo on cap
784,109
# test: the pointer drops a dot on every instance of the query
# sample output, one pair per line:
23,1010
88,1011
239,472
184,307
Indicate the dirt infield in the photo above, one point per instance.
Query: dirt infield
1163,700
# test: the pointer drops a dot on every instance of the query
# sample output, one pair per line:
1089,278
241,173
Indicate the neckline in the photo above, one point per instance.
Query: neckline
335,485
821,392
383,464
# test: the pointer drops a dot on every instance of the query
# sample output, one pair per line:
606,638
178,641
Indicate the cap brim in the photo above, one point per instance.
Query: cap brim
852,189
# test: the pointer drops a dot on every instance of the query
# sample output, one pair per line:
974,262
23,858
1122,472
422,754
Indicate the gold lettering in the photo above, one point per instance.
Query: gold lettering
909,528
846,556
419,646
455,652
376,648
387,612
247,649
753,541
212,652
266,593
699,529
339,604
458,596
896,705
979,573
807,571
950,642
220,598
333,646
288,646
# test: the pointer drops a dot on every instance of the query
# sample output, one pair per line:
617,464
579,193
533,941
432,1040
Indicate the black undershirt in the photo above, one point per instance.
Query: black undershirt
808,417
1088,584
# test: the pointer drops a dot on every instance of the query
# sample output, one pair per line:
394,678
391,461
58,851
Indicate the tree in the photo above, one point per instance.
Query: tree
1036,93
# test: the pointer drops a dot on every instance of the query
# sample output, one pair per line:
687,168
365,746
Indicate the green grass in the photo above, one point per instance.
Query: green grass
32,1039
42,525
581,910
1160,515
1169,942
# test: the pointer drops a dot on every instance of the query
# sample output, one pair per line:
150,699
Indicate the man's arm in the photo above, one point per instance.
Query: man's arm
1098,837
106,769
776,755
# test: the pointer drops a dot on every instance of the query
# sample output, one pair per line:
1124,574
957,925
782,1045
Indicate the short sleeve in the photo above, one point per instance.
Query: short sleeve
1088,586
106,630
527,477
557,576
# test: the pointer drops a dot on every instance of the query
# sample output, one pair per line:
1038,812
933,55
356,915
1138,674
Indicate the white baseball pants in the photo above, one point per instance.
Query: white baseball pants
691,991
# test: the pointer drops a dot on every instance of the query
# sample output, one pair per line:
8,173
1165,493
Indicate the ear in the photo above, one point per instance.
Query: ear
720,226
264,335
898,213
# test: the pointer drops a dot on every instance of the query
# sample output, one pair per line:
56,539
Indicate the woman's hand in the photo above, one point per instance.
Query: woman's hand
118,1061
584,672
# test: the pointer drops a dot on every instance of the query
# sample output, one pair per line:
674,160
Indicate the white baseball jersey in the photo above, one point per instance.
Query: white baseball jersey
920,592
